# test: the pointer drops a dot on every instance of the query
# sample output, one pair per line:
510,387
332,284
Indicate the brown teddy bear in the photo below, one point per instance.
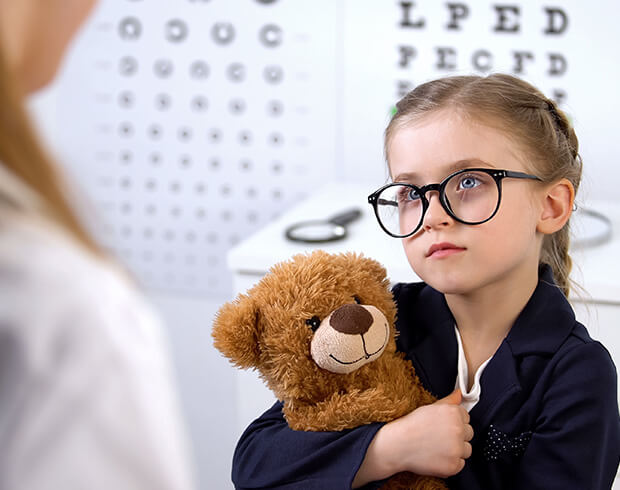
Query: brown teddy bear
319,329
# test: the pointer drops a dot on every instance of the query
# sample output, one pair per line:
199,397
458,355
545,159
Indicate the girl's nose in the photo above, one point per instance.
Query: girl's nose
436,216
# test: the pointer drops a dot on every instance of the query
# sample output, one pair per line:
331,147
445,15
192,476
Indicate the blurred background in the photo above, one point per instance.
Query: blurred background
191,125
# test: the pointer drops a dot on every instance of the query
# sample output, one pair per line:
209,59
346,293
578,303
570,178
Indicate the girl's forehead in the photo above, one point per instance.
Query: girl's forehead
435,145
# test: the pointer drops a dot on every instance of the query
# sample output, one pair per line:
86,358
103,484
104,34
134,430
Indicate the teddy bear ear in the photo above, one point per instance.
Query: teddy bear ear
235,332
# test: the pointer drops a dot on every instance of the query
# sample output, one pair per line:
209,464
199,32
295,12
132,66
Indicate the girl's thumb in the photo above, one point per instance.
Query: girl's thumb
453,398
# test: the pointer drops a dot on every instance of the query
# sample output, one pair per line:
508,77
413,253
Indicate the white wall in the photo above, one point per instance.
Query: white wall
206,384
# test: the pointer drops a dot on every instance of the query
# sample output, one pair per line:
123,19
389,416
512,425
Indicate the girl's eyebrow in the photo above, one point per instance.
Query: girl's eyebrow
410,177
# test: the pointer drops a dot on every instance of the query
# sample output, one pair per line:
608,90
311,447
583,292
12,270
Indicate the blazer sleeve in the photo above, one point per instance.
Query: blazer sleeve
576,443
272,455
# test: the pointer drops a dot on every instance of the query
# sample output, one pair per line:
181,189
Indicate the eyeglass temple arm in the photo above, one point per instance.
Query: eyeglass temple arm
384,202
520,175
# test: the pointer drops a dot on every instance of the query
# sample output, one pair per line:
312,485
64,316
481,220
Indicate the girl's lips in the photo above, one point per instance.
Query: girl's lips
444,249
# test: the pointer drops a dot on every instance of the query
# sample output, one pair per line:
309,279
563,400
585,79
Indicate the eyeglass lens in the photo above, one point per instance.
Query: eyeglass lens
472,197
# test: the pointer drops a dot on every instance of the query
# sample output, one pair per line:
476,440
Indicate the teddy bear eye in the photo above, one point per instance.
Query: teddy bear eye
357,300
314,323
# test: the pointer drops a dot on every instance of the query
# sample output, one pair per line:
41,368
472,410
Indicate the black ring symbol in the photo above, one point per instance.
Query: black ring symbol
126,130
271,35
184,134
130,29
176,31
163,102
223,32
237,106
128,66
199,69
199,103
155,158
163,68
275,139
245,137
155,132
236,72
126,156
126,99
273,74
275,108
215,135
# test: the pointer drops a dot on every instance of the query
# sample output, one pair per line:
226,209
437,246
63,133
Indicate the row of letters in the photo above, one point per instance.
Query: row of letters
447,58
507,18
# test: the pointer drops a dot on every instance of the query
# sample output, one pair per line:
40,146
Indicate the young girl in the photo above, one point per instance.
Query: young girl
484,174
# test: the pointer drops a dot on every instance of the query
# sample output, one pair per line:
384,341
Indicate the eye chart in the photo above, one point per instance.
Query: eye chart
564,48
199,121
195,122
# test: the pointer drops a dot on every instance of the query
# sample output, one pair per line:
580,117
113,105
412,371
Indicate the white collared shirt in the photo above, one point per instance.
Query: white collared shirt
86,388
471,396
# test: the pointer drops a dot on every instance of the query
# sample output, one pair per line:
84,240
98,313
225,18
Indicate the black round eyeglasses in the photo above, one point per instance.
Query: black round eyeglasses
471,196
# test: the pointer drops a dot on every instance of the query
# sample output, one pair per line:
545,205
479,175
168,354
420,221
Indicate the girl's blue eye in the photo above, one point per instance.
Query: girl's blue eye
408,194
414,195
469,182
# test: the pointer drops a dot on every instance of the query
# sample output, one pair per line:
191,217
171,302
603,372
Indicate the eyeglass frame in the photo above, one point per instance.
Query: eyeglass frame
497,174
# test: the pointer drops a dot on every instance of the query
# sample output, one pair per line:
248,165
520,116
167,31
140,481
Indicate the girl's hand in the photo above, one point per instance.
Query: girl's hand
432,440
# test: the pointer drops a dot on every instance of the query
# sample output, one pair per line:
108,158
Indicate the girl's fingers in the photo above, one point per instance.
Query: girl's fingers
469,432
467,450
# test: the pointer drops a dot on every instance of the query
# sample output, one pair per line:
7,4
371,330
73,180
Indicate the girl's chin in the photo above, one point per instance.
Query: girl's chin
447,284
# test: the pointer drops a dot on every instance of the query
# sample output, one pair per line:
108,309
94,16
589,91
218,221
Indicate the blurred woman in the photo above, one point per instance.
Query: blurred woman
86,395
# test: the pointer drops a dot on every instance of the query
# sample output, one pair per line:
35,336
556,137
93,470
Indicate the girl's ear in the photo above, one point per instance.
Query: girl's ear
235,332
557,207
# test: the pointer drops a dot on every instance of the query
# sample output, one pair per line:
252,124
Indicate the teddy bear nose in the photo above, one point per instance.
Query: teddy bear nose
351,319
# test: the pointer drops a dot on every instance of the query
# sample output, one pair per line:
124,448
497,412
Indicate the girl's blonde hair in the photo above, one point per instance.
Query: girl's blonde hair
527,116
23,154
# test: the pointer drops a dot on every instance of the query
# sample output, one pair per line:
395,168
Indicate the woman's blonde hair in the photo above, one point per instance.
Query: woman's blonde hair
23,154
527,116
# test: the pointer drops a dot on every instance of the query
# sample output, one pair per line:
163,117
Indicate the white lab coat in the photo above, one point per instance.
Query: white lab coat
86,391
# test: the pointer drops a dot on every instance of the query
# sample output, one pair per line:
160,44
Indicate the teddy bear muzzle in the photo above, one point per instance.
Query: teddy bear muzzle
351,336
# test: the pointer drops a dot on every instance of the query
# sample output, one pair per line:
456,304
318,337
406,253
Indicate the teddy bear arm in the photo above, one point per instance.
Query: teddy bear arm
411,481
346,410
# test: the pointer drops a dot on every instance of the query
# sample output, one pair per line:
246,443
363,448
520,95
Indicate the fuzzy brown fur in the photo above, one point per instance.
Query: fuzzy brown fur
266,329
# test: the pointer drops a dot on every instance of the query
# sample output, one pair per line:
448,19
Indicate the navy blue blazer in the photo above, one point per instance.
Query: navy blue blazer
547,417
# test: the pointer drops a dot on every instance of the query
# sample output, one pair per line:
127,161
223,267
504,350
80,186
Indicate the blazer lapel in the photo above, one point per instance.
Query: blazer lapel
430,341
500,383
438,354
540,329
